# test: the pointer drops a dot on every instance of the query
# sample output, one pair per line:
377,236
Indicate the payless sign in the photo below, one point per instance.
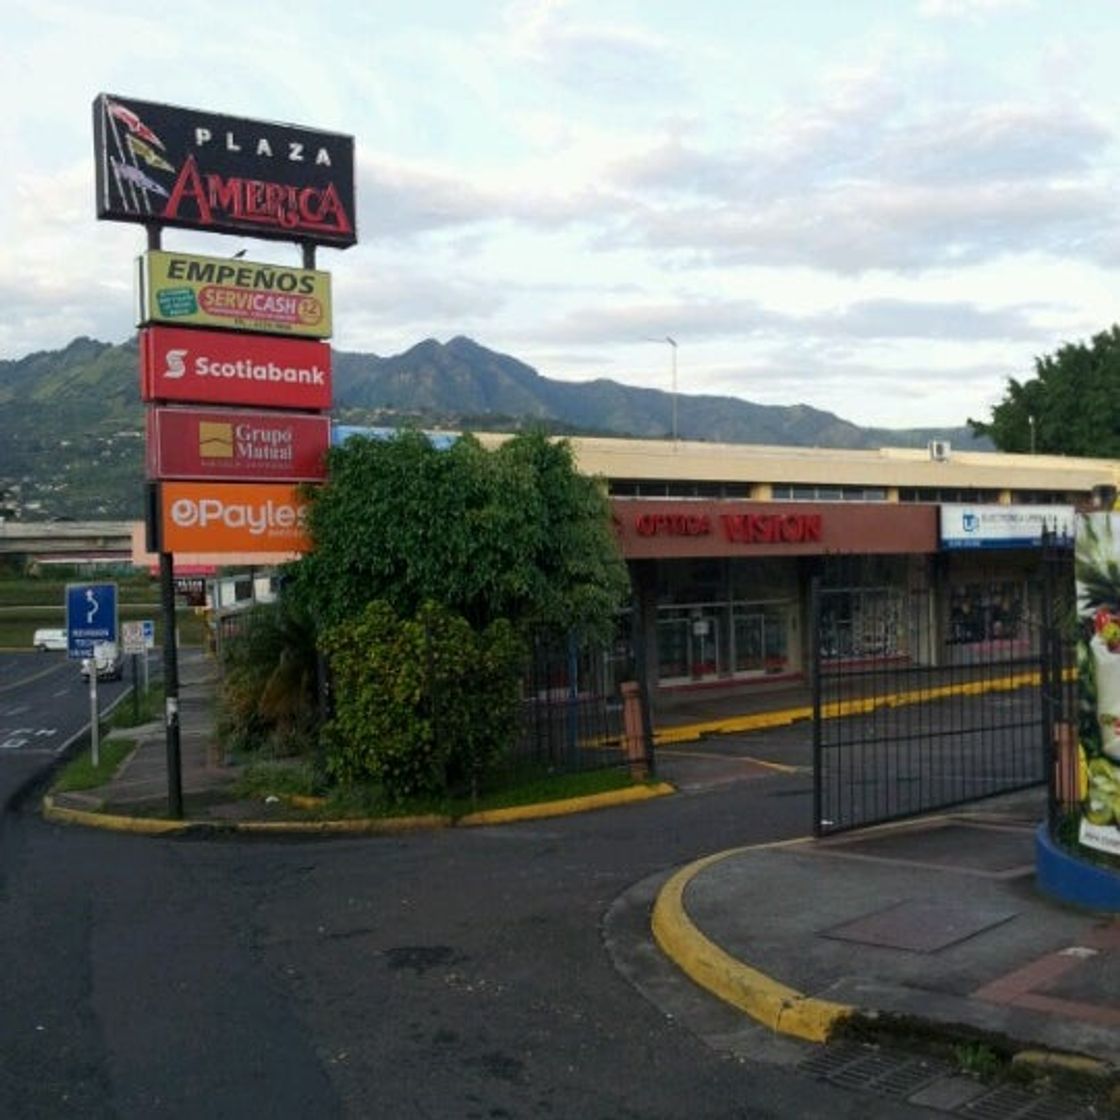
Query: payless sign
187,290
219,367
208,171
231,517
274,446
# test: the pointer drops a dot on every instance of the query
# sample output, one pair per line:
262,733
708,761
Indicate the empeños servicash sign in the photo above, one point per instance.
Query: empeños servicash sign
184,167
193,291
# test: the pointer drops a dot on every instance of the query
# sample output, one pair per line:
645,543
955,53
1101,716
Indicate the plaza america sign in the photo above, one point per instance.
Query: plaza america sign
159,164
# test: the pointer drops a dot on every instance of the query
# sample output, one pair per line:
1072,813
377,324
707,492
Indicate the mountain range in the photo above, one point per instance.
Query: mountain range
74,421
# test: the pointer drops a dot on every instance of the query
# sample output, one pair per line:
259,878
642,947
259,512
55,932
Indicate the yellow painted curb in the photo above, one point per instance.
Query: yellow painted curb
1056,1059
759,721
359,825
775,1005
149,826
155,826
568,805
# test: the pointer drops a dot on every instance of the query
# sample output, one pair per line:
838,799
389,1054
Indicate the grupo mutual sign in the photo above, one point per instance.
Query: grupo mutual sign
216,367
164,165
249,446
240,295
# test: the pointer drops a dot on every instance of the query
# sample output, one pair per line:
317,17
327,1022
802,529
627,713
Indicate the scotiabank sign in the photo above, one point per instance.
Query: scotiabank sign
191,291
252,446
208,171
231,517
216,367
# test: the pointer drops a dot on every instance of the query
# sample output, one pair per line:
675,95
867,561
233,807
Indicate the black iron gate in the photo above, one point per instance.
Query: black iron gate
924,698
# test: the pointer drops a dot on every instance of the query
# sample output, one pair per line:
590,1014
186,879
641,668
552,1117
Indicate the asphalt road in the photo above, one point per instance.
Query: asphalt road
44,705
445,974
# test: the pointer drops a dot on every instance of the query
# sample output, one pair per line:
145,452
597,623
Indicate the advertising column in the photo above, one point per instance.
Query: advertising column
235,367
1097,558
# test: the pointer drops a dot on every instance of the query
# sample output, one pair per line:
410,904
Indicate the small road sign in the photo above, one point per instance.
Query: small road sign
91,616
132,637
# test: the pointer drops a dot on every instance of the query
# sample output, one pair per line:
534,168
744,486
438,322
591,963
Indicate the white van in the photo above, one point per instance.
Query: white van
49,639
107,657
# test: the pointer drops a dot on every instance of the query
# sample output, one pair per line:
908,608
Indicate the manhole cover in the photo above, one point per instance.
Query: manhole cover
921,926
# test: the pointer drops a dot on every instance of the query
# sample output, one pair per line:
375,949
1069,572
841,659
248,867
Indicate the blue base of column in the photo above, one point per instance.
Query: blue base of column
1063,876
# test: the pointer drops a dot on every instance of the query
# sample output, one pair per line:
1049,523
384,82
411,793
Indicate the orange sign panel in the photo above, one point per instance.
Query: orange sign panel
232,517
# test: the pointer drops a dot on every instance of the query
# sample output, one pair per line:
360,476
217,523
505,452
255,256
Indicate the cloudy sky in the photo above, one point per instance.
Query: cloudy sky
883,208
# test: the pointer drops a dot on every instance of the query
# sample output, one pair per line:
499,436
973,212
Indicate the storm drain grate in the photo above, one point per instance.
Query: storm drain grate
880,1071
903,1075
1007,1102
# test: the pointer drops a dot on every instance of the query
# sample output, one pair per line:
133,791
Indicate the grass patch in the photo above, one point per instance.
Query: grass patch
279,779
138,709
297,778
80,773
18,625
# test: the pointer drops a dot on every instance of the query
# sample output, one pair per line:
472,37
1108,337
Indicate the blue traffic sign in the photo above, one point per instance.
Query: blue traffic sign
91,616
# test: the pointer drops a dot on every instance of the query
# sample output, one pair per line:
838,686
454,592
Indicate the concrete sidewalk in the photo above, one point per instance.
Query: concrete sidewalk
935,923
140,785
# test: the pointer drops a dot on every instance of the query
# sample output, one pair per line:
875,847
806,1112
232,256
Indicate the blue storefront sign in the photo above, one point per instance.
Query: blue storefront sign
91,616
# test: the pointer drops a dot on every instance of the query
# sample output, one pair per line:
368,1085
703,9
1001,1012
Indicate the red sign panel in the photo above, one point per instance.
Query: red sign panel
218,367
251,446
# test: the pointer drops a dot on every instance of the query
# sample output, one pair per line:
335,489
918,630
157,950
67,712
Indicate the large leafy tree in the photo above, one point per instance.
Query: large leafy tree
517,533
1070,407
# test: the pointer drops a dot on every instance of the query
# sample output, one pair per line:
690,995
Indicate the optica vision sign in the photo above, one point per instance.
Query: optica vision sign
209,171
216,367
188,443
186,290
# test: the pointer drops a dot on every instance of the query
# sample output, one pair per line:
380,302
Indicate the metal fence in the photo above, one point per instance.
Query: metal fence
912,711
572,706
1062,707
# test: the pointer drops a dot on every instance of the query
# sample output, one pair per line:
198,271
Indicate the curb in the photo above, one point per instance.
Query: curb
157,826
784,717
781,1008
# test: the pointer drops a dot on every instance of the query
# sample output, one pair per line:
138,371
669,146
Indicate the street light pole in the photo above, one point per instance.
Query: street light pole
673,343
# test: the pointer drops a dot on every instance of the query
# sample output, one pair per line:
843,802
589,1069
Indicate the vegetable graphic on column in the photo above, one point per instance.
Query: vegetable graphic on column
1097,567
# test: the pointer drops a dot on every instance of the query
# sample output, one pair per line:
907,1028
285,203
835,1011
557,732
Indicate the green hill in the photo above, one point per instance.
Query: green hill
74,420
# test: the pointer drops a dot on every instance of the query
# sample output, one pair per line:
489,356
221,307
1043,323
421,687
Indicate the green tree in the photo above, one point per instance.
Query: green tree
1070,407
268,698
517,533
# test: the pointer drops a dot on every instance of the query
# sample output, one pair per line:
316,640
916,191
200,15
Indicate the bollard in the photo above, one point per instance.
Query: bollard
634,738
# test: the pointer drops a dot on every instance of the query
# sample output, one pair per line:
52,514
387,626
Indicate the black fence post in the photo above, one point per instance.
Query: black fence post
814,636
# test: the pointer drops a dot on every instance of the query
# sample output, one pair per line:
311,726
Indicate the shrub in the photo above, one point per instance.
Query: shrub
422,706
268,698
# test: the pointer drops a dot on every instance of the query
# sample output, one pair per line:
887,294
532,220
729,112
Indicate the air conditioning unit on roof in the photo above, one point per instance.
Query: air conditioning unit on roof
939,450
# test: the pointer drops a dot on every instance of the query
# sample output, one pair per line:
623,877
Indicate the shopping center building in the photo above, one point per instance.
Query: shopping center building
723,543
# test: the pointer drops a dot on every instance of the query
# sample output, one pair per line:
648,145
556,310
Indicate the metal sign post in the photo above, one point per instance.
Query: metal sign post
94,716
91,618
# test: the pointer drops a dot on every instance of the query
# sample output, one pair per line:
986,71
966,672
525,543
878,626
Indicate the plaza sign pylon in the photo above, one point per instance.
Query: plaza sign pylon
223,332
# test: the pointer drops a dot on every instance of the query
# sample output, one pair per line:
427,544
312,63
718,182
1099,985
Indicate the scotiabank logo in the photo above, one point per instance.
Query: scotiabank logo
176,365
232,517
215,367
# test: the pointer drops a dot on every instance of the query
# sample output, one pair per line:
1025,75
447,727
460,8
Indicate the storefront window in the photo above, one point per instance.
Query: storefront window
985,612
861,622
